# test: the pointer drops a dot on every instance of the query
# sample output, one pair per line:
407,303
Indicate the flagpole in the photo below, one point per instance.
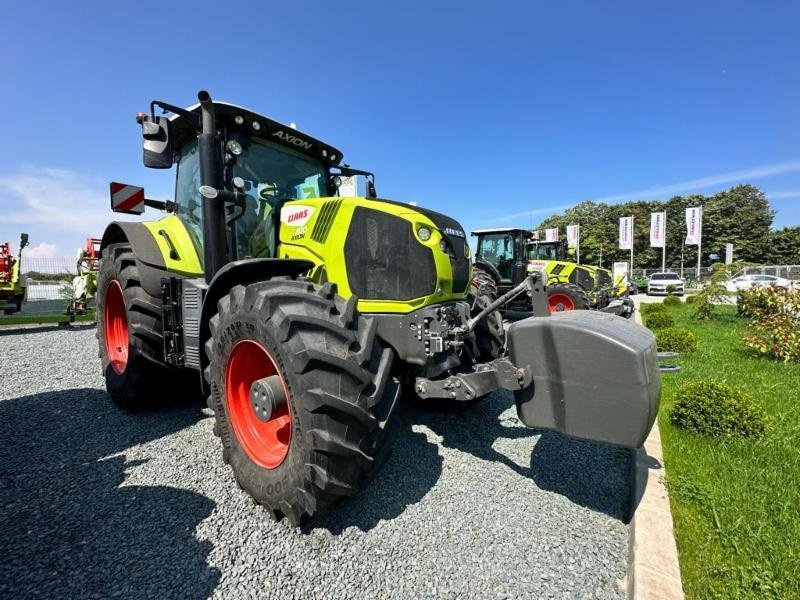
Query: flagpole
631,246
699,242
664,243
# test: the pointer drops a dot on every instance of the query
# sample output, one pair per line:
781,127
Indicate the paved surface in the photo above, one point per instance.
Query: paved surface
97,503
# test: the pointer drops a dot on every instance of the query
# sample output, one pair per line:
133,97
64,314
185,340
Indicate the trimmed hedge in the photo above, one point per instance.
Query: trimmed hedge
647,308
658,320
676,339
719,410
671,301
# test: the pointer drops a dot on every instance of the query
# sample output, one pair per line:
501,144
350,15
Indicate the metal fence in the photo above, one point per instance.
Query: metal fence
48,284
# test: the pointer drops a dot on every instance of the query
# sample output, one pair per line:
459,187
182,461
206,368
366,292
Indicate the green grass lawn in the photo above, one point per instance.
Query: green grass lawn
736,504
44,319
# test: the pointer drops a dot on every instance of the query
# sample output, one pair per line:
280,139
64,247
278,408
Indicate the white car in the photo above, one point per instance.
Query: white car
659,282
746,282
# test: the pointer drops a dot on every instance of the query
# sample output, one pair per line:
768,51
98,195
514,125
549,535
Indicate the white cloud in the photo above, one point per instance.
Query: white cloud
530,213
41,250
692,185
54,200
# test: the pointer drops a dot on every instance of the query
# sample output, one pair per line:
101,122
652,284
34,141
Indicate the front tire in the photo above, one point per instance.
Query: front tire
489,333
328,435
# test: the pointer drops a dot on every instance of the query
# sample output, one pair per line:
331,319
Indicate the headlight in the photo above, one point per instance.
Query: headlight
234,147
424,233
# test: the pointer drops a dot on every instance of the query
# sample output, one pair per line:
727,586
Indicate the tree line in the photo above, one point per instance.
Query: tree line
741,216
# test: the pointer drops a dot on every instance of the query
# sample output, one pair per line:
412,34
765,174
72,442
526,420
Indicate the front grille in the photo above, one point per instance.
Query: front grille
458,262
582,278
384,260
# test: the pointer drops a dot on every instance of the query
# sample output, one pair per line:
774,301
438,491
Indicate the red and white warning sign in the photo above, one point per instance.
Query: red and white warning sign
127,198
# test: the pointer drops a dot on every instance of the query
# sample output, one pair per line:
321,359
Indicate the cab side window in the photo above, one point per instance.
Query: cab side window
187,194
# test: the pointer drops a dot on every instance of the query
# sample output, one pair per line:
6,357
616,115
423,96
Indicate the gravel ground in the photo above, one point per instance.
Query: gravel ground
97,503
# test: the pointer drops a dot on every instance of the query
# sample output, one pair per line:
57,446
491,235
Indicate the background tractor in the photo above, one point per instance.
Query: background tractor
304,314
505,256
12,284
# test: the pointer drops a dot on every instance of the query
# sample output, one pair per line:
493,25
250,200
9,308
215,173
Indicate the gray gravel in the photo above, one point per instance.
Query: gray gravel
97,503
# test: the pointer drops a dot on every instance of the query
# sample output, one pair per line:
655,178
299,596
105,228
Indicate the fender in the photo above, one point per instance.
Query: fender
148,255
242,272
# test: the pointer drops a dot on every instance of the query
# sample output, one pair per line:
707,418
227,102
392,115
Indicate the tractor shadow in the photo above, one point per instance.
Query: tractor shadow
412,469
592,475
70,530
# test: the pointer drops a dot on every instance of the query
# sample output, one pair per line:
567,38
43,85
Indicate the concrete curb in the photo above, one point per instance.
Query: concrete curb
653,569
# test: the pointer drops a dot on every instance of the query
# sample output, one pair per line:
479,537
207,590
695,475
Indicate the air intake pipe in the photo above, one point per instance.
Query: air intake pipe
215,251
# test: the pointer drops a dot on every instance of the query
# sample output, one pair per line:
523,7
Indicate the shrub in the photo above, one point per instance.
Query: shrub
775,335
676,339
658,320
691,299
767,300
652,307
671,301
671,289
714,292
717,409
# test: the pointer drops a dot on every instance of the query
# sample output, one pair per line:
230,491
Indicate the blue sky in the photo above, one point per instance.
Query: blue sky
495,113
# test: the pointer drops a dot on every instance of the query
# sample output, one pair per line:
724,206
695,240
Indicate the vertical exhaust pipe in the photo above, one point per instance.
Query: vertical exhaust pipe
215,251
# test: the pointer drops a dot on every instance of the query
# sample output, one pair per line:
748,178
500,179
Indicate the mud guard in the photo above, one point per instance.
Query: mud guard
595,376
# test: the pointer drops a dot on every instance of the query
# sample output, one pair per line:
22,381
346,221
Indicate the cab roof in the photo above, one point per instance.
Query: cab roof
499,230
182,130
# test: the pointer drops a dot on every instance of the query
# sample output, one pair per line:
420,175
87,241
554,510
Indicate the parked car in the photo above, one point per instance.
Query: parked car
746,282
659,282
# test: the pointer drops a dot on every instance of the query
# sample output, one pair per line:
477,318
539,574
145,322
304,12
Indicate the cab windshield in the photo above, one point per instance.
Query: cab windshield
272,175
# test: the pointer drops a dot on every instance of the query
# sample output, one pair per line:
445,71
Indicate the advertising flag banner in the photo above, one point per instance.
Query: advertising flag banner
626,233
535,235
573,236
551,235
657,229
694,225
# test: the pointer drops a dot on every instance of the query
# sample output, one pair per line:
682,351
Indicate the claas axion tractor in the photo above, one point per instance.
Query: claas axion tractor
505,256
303,315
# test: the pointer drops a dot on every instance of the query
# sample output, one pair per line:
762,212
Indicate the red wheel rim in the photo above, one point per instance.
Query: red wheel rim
115,327
265,442
559,302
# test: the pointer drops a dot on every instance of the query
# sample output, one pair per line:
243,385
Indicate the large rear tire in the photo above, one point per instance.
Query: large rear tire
327,435
566,297
129,332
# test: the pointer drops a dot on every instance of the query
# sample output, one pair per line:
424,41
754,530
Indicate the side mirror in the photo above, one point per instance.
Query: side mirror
156,143
23,241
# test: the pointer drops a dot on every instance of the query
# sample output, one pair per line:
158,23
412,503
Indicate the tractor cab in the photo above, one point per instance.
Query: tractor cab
548,250
262,162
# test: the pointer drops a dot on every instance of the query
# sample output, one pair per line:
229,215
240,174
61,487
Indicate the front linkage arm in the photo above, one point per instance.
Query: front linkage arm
500,373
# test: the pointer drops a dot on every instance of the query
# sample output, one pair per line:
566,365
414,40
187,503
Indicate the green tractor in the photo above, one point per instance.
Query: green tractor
504,257
12,284
303,315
